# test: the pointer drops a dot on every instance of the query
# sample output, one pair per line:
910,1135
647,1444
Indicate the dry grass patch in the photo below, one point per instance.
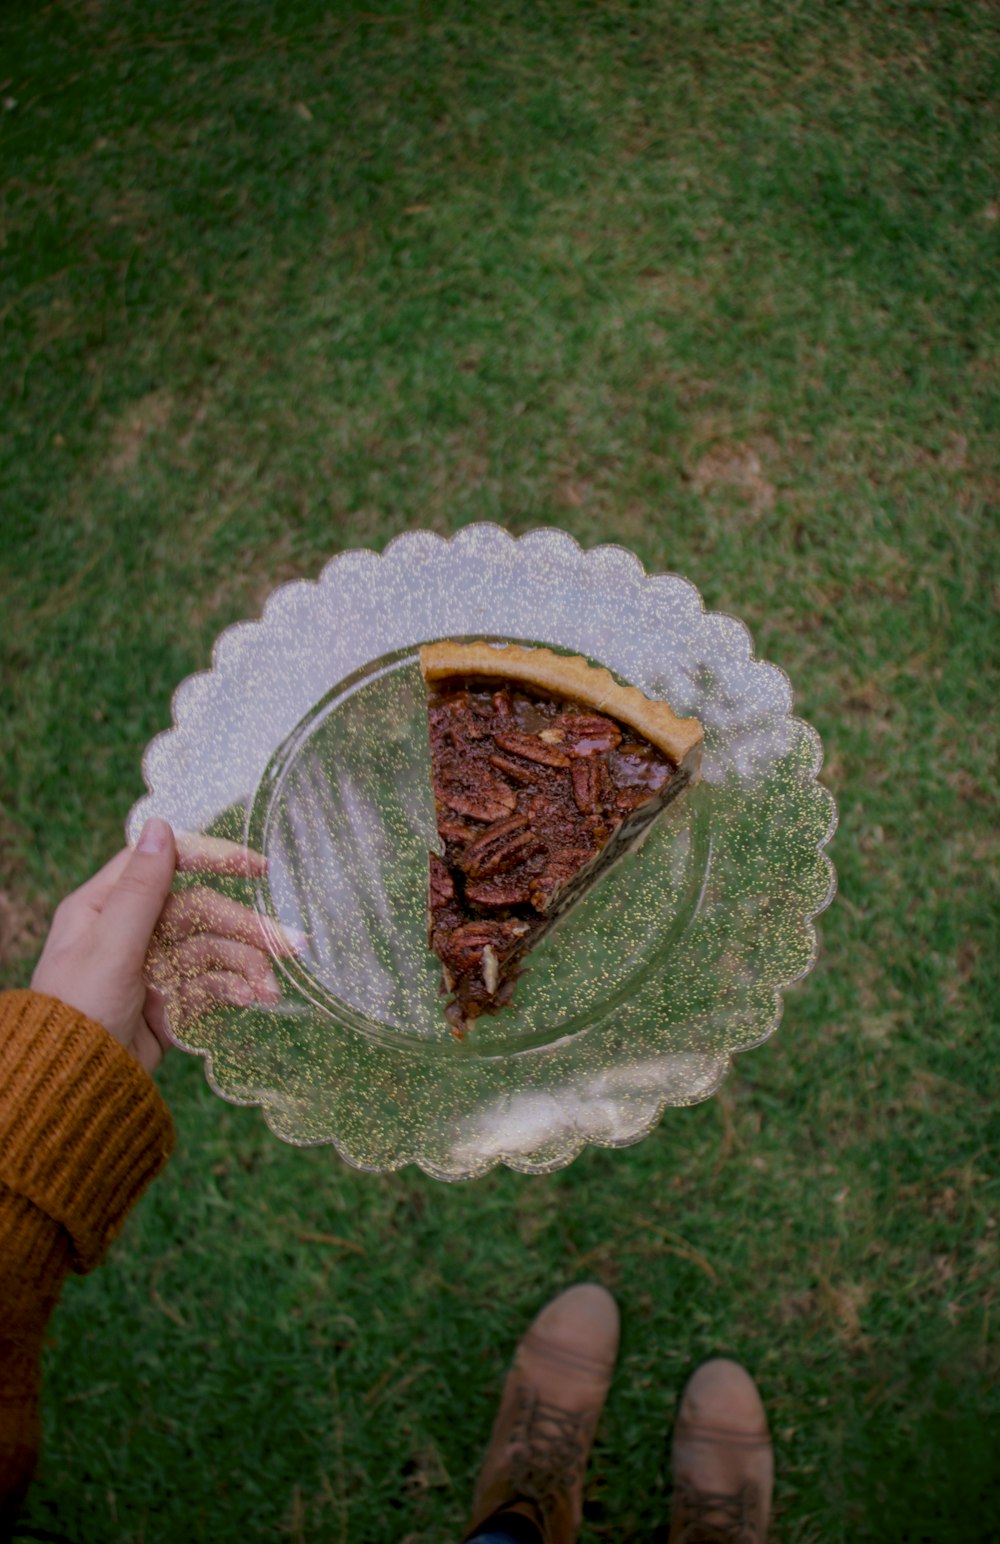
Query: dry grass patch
151,414
23,926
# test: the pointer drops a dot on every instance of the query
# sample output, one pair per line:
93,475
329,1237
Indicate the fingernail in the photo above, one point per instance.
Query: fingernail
264,979
268,990
154,836
298,941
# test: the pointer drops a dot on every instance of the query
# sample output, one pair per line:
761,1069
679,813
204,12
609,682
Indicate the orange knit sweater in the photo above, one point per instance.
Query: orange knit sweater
82,1132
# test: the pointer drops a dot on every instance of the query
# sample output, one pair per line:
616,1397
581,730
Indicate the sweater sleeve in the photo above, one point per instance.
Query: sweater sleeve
83,1130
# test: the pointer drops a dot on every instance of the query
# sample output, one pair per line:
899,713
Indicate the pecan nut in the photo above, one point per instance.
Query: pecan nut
591,785
589,734
561,866
442,888
456,831
471,791
503,706
516,771
462,950
531,747
504,890
499,847
628,799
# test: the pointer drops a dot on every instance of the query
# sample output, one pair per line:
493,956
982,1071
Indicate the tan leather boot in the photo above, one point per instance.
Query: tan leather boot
549,1409
723,1461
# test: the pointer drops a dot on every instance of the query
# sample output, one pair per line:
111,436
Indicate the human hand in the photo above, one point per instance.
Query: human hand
202,947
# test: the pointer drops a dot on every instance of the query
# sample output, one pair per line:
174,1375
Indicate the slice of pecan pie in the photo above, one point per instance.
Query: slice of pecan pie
545,771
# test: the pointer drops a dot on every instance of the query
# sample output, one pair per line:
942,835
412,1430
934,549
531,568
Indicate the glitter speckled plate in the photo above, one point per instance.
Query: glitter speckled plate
307,740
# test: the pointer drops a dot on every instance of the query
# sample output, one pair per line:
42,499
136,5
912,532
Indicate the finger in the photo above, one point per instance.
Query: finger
191,1000
214,855
195,854
130,913
155,1015
207,951
200,910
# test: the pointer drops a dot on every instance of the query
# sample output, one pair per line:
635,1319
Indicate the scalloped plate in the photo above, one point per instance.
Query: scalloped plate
307,740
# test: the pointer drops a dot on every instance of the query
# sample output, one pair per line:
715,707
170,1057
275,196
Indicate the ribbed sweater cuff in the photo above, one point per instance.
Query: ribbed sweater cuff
83,1129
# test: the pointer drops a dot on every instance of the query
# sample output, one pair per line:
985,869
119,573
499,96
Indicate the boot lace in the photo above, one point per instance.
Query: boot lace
718,1518
550,1446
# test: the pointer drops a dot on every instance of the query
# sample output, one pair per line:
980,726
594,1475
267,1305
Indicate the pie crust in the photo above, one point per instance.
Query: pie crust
572,677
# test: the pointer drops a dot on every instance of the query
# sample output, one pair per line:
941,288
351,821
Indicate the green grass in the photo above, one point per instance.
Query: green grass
716,281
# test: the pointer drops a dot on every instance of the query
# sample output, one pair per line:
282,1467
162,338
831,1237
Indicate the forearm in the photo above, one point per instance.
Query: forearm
82,1132
34,1261
83,1129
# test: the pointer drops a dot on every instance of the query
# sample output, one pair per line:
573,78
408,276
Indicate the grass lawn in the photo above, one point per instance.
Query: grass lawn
713,280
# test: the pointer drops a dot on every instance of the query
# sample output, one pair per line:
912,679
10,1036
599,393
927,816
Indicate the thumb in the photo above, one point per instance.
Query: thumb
133,907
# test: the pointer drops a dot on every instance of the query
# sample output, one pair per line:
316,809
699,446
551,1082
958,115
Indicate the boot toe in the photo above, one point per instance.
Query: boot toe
582,1323
721,1395
723,1461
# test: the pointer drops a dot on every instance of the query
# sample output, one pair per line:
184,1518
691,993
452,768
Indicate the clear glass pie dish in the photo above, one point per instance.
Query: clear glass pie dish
307,742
